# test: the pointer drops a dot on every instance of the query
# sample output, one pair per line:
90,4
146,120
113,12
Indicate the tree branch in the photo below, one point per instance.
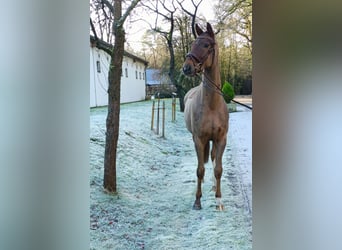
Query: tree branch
108,5
128,11
193,15
168,10
93,29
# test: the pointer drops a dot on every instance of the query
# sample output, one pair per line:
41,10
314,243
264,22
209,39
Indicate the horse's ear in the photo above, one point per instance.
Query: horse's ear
210,30
199,31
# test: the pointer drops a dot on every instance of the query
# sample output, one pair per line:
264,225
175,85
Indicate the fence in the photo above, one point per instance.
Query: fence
162,109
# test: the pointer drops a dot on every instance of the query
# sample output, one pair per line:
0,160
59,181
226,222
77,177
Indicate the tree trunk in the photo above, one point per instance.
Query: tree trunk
113,117
172,75
181,103
172,62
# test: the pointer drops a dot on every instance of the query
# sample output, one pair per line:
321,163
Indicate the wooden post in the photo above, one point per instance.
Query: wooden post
174,106
152,120
173,109
158,116
163,121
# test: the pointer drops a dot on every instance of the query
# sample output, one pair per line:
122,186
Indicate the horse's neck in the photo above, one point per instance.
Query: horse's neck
211,93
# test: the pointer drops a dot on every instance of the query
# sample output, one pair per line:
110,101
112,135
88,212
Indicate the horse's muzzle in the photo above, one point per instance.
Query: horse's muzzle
188,70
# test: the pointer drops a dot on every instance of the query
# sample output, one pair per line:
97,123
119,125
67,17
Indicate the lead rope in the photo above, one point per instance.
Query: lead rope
216,89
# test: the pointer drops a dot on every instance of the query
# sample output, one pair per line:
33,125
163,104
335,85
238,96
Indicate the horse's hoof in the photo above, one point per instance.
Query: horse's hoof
196,206
220,207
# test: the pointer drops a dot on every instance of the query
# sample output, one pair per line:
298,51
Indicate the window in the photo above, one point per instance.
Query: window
126,72
140,75
98,66
136,74
143,75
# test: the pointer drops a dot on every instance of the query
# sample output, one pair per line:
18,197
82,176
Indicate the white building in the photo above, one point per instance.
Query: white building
133,76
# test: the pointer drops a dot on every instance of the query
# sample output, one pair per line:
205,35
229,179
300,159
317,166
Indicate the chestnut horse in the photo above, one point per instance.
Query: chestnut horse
206,113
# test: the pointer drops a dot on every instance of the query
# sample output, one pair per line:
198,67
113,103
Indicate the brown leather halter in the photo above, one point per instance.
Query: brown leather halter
199,60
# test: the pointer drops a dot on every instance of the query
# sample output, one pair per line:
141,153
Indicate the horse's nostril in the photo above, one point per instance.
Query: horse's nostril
186,69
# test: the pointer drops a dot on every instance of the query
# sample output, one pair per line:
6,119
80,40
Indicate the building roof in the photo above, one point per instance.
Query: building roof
156,76
153,76
108,47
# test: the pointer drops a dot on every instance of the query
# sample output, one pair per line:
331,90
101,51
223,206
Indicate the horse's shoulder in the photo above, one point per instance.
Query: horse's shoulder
192,92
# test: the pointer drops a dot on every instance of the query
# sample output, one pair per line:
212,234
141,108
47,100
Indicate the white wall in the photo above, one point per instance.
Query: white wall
98,81
132,89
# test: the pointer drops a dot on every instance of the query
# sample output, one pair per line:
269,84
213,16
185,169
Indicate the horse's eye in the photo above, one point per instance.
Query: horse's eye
206,45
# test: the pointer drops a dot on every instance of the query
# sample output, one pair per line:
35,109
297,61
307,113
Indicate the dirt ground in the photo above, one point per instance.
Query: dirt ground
156,180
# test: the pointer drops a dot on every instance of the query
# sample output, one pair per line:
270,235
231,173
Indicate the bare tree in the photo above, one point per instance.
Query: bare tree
236,15
184,32
235,39
111,14
186,83
167,12
193,15
102,18
154,50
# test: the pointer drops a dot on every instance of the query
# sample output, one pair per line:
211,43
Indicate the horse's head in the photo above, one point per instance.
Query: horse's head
202,52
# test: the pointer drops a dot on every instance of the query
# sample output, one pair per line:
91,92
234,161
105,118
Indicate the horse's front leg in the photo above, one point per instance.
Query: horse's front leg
200,172
220,146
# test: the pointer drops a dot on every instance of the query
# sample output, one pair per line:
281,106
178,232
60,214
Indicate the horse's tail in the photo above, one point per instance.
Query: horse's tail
206,152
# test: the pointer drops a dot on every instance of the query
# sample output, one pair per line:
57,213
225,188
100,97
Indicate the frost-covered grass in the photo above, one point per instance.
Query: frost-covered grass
156,182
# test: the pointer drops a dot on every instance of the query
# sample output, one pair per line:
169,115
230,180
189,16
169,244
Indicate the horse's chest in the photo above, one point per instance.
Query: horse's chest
211,124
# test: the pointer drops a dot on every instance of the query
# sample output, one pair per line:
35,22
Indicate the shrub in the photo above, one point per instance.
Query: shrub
228,92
